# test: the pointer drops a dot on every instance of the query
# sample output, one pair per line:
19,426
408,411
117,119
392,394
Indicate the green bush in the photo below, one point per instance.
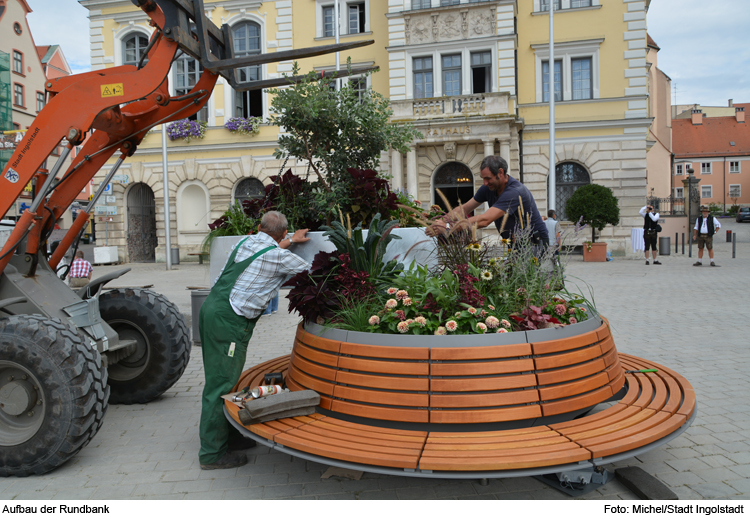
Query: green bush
595,205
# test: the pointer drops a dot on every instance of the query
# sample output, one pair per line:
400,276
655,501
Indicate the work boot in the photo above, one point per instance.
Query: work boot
698,264
241,443
229,460
713,263
657,263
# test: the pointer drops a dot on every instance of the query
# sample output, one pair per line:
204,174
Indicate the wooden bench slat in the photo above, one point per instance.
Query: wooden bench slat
582,370
325,401
315,356
496,399
563,345
506,414
319,371
570,358
351,452
321,343
517,444
642,421
577,402
613,414
384,367
509,366
640,439
519,381
367,429
352,435
574,388
660,392
647,391
400,399
606,427
510,460
382,447
415,353
489,352
382,382
380,413
490,436
308,382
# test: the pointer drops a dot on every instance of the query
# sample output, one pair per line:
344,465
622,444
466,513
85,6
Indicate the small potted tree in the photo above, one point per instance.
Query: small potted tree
596,206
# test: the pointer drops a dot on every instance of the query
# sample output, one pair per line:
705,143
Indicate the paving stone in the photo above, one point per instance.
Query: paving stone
182,475
688,464
739,458
713,490
277,492
416,493
104,480
153,488
244,494
679,478
114,492
717,474
323,487
192,486
270,479
338,496
378,495
75,494
208,495
142,478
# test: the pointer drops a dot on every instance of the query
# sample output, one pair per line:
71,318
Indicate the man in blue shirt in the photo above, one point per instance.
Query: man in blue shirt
502,192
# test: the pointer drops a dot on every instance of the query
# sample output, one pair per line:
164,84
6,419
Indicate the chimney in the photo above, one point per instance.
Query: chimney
739,112
731,103
697,116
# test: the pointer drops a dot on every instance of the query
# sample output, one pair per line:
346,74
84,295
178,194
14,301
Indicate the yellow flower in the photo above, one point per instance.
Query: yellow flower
474,246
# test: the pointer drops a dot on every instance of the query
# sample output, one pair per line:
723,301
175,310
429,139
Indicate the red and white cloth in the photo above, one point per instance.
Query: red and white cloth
80,269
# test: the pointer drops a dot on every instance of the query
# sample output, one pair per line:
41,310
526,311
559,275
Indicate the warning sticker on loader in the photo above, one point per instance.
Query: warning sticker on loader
112,90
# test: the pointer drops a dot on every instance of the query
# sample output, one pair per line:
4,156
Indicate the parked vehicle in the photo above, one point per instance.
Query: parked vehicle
743,214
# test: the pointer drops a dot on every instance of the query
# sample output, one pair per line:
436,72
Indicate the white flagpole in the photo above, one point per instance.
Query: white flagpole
551,190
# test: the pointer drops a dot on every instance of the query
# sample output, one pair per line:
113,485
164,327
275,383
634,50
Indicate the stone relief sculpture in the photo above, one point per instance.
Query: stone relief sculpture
450,27
480,23
420,31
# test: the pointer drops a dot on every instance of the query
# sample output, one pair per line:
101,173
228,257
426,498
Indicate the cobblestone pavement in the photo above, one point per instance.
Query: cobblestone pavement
694,320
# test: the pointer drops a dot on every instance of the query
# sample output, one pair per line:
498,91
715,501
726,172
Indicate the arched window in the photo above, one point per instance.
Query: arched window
569,177
187,71
249,189
455,181
133,47
246,36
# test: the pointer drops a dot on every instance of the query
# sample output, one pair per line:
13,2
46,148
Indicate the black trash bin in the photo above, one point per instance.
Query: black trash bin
665,245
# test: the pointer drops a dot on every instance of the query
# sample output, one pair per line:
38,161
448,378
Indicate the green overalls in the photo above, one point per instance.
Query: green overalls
224,339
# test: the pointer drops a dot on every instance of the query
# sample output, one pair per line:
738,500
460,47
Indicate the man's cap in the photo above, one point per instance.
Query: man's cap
704,208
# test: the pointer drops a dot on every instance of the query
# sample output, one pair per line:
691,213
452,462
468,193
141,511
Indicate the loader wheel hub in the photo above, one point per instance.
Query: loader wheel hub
17,397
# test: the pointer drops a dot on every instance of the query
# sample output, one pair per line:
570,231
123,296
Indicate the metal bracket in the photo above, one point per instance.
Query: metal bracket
576,482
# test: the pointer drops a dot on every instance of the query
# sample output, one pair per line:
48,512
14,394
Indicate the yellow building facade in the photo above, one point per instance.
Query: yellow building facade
471,75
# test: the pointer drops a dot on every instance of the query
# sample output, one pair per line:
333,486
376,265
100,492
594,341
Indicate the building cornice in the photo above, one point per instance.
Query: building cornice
582,125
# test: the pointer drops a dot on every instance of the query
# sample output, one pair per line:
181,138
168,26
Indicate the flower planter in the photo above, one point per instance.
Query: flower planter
597,252
515,379
414,246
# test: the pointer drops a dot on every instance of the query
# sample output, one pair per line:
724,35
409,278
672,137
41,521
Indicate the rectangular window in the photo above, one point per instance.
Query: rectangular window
481,68
544,5
735,190
581,73
688,166
706,167
679,192
18,62
558,80
580,3
707,191
356,18
678,170
360,87
449,2
328,27
422,77
420,4
734,166
39,101
17,94
451,74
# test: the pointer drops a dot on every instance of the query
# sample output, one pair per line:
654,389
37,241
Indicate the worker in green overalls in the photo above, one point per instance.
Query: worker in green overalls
253,274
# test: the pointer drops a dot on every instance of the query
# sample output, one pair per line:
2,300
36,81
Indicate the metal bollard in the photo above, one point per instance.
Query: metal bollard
734,244
676,244
683,243
729,235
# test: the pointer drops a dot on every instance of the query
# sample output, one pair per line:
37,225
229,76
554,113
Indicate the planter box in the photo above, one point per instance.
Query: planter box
414,246
598,252
105,255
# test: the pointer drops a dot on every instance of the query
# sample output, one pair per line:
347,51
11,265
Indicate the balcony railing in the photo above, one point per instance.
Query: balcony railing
448,106
668,206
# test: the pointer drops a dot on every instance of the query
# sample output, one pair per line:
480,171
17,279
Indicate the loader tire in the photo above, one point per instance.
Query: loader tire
163,344
53,394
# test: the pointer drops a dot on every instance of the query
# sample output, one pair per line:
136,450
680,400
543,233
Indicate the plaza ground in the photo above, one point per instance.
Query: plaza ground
692,319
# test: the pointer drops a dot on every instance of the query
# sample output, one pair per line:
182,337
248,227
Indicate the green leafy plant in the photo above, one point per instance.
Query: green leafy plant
596,205
232,223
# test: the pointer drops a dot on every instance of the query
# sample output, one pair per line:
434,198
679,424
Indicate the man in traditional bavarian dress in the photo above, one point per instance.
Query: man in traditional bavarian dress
650,221
705,228
253,274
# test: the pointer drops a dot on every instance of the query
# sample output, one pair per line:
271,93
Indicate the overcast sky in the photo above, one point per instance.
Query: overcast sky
705,47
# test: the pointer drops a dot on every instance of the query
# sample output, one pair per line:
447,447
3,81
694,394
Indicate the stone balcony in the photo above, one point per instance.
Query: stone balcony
473,105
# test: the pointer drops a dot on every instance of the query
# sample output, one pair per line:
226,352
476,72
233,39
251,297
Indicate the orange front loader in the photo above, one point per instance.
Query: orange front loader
63,354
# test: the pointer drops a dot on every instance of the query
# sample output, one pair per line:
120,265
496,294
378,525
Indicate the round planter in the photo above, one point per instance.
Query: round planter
517,379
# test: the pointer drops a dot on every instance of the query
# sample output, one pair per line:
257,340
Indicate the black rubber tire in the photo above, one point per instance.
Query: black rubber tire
72,389
164,344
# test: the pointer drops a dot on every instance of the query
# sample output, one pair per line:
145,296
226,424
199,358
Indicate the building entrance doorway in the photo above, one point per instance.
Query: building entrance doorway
141,235
455,181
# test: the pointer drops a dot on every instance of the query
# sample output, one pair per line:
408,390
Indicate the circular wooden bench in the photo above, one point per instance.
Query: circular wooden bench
466,411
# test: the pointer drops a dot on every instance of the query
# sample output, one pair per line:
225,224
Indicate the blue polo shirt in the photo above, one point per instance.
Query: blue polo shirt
508,201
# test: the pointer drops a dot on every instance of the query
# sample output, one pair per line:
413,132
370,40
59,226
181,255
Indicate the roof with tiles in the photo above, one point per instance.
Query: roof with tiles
712,138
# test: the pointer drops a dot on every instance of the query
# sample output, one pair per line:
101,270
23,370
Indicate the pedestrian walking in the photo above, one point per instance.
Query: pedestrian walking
554,233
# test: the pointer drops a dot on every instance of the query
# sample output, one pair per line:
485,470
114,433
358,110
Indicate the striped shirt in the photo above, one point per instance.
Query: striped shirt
260,282
80,269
